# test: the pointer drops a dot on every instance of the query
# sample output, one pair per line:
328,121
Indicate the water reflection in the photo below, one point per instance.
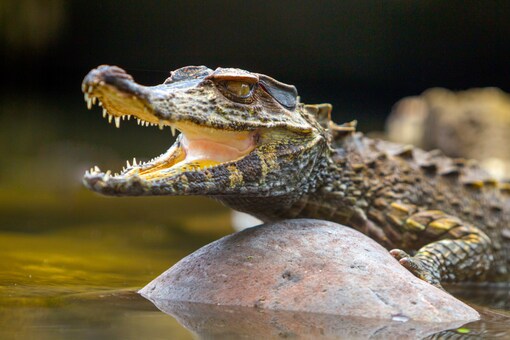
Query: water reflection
106,315
69,273
224,322
493,296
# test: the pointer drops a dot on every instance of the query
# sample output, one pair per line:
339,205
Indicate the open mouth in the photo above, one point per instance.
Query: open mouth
197,148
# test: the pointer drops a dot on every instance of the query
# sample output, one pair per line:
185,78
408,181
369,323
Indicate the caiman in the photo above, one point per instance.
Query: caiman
246,140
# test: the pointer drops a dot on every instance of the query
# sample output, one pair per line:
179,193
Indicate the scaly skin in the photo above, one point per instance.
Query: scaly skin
248,142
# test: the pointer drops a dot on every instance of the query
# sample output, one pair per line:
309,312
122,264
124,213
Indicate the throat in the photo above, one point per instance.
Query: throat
267,209
214,146
200,148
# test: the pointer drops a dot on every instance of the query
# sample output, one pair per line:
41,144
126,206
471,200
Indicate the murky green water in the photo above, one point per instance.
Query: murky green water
71,266
72,261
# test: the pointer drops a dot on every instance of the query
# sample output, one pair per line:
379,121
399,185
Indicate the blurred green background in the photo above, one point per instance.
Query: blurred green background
61,245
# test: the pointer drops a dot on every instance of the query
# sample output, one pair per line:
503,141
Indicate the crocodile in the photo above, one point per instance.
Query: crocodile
247,141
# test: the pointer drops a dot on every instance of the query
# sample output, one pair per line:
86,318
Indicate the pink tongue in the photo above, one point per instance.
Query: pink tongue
206,149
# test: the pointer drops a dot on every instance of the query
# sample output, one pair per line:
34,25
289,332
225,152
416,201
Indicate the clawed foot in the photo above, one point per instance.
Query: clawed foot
415,266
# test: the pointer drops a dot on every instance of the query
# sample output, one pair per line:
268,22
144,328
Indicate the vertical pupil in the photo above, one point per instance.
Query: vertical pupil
238,88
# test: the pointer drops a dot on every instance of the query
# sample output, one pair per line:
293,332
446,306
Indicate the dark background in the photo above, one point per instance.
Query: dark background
361,56
350,53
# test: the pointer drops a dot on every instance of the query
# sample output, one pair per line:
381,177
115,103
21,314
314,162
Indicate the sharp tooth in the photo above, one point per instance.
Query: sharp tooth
128,165
96,169
128,117
173,130
109,172
117,122
110,117
89,103
138,121
134,161
106,177
86,97
90,89
123,117
94,99
104,113
116,174
100,103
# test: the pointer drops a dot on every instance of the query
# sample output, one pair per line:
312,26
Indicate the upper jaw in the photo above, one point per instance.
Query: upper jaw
193,100
119,95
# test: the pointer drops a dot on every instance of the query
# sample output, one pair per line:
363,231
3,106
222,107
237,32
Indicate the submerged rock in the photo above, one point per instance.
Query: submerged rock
306,266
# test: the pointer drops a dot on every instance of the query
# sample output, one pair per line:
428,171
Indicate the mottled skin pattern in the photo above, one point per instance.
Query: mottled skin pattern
447,219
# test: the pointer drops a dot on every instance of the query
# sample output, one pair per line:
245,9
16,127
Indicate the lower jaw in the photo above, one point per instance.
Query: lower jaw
179,168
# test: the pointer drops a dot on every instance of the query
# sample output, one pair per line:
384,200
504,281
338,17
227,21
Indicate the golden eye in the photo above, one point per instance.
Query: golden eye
239,88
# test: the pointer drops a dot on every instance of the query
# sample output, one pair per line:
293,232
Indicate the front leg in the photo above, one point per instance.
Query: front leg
458,251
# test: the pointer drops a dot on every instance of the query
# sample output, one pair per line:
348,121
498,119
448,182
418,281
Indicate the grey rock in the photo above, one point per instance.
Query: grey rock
308,266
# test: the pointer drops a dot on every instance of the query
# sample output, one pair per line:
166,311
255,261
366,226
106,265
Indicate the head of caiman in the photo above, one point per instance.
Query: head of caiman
243,134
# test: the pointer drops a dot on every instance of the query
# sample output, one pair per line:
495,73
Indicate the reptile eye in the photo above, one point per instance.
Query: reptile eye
238,88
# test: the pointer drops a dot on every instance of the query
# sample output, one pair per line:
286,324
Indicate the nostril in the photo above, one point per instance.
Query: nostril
106,71
112,71
106,74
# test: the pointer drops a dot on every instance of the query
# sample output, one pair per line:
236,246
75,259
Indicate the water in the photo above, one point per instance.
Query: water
72,261
71,267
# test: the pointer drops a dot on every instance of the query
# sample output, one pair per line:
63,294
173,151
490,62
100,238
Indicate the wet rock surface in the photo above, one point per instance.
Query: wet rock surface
306,266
